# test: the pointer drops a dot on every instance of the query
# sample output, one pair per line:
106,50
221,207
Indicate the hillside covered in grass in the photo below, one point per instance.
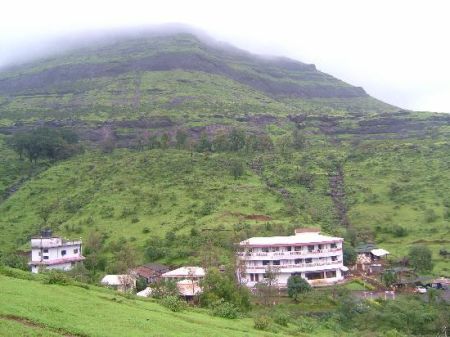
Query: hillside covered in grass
187,144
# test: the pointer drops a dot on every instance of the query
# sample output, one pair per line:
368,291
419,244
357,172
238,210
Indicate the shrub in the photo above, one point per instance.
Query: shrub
430,215
281,318
399,231
262,322
224,309
173,303
56,277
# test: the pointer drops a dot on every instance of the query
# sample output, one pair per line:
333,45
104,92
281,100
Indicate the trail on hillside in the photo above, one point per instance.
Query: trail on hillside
337,191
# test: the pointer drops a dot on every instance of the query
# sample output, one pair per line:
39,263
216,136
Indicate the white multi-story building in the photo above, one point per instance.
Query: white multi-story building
315,257
52,252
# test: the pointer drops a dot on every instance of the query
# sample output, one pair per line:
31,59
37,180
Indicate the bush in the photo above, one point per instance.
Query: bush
399,231
56,277
224,309
173,303
430,215
262,322
281,318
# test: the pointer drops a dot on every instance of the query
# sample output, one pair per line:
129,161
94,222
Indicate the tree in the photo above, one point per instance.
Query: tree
420,258
298,140
164,288
44,143
181,138
388,278
266,288
203,145
297,285
218,286
236,139
349,255
165,139
236,169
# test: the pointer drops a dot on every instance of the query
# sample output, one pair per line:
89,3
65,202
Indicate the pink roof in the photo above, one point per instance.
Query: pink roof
58,261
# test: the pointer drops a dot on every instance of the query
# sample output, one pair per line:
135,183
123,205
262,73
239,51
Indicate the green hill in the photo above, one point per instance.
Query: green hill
315,151
30,308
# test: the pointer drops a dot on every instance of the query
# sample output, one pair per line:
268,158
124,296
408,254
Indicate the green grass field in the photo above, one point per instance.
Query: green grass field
31,308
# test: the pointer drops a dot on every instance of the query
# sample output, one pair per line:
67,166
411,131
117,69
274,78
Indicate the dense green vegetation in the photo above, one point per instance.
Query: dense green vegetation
53,305
171,149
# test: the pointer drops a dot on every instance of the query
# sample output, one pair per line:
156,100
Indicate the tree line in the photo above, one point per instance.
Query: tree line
44,143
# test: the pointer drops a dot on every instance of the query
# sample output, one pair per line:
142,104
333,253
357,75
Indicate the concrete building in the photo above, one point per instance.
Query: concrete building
52,252
315,257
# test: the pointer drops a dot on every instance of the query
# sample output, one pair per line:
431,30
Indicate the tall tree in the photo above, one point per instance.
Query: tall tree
420,258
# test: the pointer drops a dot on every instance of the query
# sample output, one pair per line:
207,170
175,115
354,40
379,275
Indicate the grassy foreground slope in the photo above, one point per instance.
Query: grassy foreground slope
31,308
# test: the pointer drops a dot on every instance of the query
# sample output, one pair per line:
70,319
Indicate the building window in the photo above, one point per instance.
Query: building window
320,247
298,248
330,274
45,257
45,250
75,251
252,277
334,258
265,249
266,263
276,262
256,277
308,260
298,261
314,276
63,252
288,248
310,248
333,245
275,249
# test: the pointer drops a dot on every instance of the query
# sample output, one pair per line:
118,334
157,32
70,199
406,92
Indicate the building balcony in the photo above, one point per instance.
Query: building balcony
295,267
289,255
57,261
53,243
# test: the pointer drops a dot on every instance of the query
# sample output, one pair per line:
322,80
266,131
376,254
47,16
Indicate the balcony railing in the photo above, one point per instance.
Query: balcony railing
288,253
299,265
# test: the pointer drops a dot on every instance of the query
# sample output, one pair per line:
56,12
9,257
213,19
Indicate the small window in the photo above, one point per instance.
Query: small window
265,263
288,248
63,252
310,248
45,250
334,258
298,261
320,246
308,260
265,249
298,248
45,257
276,262
333,245
75,251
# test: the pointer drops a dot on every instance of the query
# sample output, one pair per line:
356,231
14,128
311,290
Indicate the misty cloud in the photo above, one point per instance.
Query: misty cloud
397,50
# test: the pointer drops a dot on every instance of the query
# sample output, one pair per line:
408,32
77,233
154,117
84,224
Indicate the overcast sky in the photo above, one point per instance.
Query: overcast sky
399,51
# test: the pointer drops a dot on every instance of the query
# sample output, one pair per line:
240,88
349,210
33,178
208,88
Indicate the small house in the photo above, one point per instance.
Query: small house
151,272
190,273
54,252
123,283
